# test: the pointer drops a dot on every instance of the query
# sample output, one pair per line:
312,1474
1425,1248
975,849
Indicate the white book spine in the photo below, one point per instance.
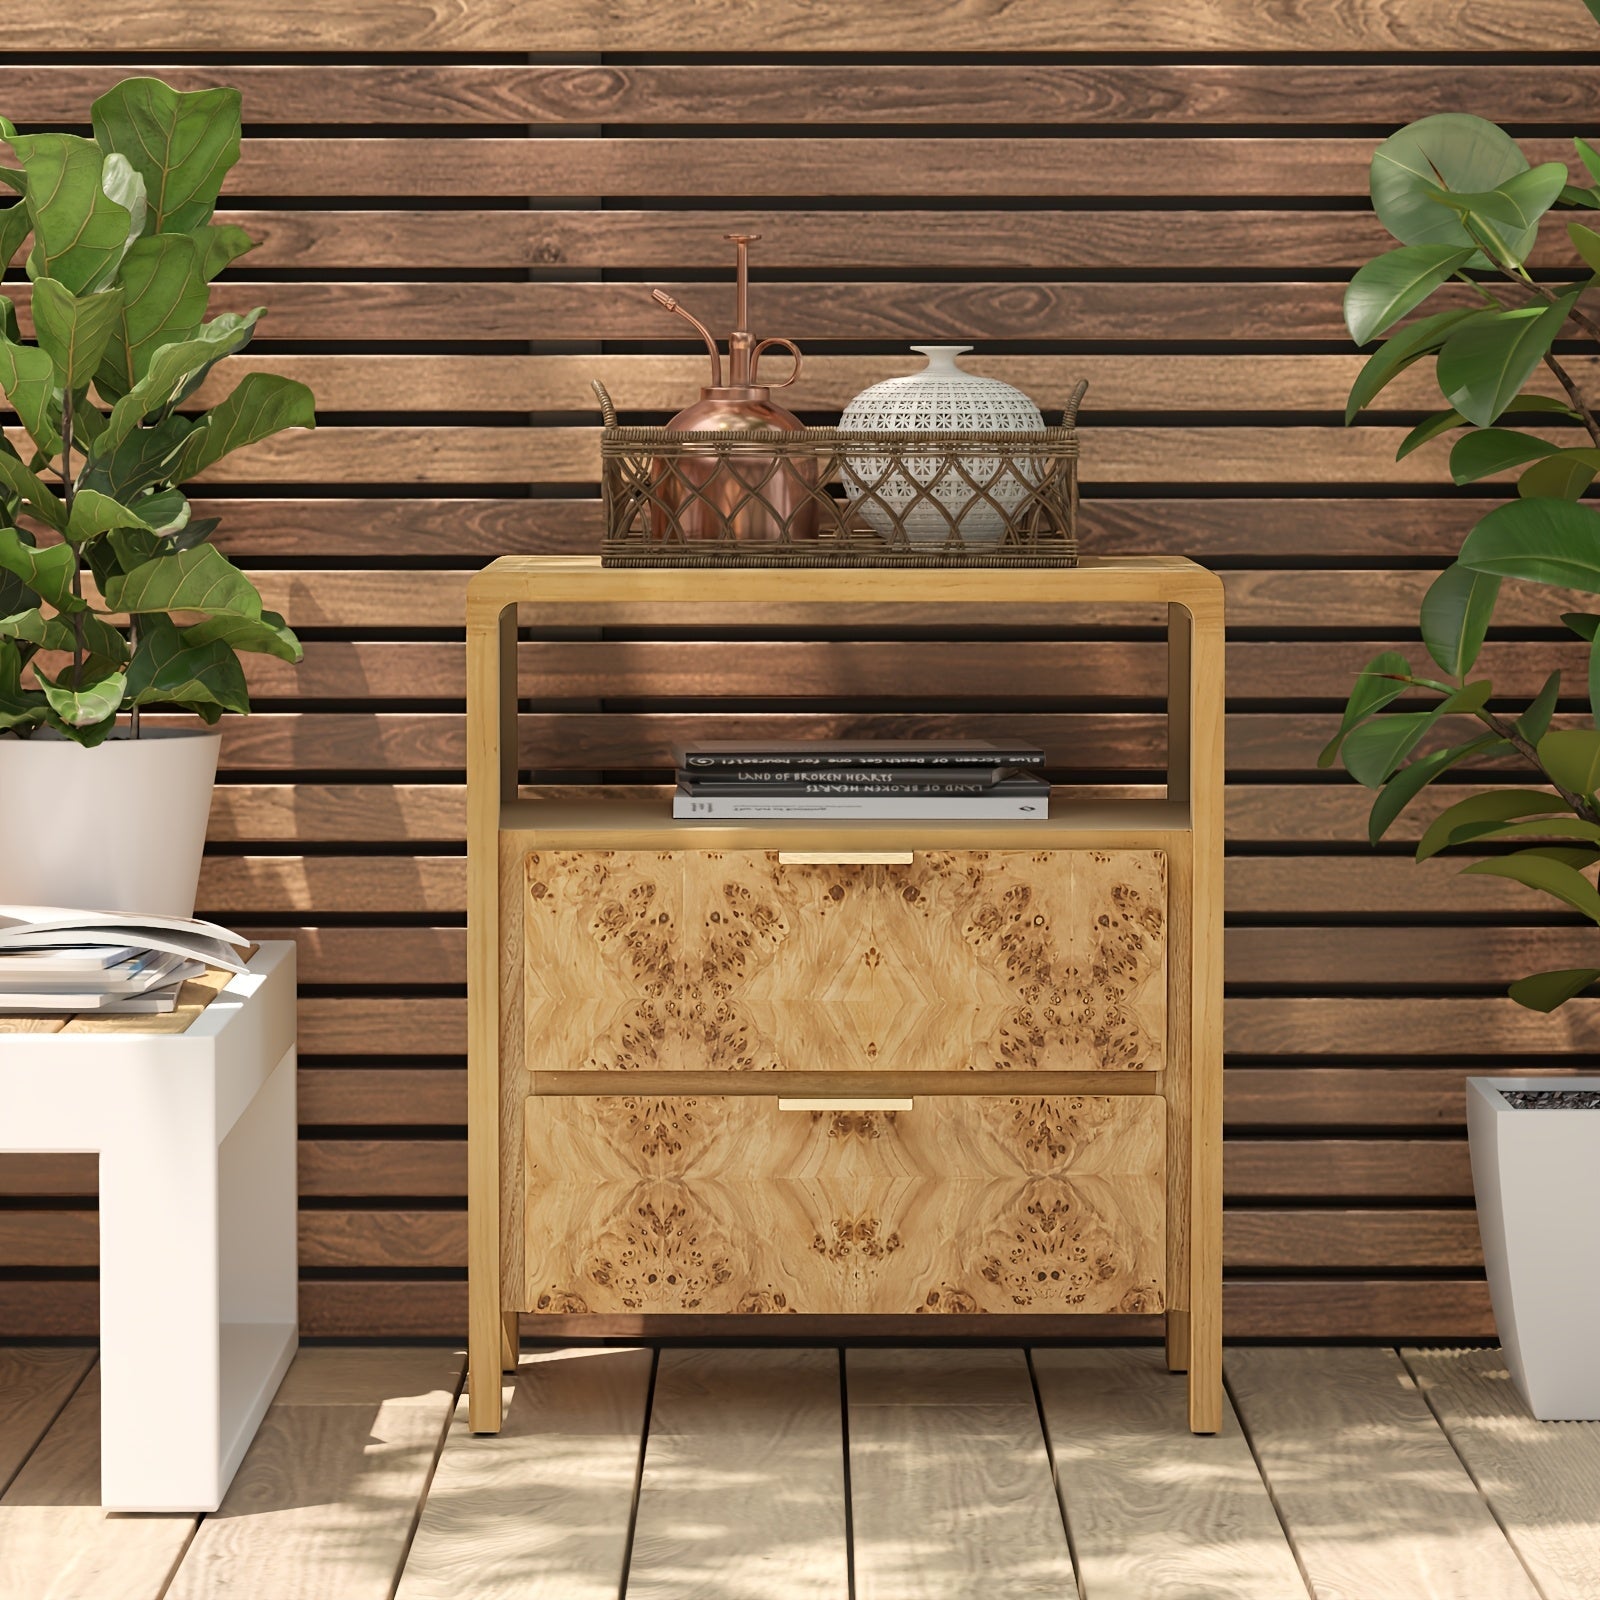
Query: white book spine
914,808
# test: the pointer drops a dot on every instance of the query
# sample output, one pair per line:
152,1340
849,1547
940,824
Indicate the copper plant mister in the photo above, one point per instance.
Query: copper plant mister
750,497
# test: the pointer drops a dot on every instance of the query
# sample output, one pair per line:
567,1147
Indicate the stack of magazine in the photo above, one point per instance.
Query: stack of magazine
909,779
108,962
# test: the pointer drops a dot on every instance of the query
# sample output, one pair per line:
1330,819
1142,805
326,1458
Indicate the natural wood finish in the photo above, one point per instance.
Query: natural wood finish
877,1082
34,1386
57,1542
765,1427
751,960
1375,1500
396,1239
1351,1169
1541,1482
963,1204
332,1481
1154,1511
935,1435
542,1511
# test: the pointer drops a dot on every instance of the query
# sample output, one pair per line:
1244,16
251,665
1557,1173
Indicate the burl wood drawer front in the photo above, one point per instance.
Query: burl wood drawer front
706,960
731,1204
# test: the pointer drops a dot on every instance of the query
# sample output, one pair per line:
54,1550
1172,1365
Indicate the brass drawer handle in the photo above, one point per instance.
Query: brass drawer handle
844,858
846,1105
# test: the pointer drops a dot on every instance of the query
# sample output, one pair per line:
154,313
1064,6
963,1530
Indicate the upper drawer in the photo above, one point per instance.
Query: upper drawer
1020,960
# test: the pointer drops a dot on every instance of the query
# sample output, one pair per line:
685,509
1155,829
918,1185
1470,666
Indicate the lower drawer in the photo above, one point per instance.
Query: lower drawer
745,1203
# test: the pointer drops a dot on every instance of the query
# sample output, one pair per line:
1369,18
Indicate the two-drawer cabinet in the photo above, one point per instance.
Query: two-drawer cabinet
805,1079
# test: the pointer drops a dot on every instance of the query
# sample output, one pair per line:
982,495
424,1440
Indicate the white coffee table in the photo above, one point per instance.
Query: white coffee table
195,1131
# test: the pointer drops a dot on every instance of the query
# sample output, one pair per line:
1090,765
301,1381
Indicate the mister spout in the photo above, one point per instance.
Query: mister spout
662,298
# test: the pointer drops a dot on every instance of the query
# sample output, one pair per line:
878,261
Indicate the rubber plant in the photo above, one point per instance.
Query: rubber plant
110,597
1466,207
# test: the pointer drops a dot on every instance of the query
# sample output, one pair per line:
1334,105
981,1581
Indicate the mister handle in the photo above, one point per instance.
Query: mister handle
786,344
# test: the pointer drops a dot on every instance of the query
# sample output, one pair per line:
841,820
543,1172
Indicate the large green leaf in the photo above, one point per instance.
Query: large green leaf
1373,750
74,330
1386,677
267,634
28,377
166,296
181,144
221,244
16,223
1534,723
80,232
1409,782
1572,758
94,513
145,457
84,699
169,669
47,571
1486,451
262,405
1587,243
1540,871
1484,363
1398,281
202,579
1456,612
61,633
1508,215
32,490
1562,476
166,512
1567,827
1544,541
1451,151
1428,430
1494,806
1401,349
1545,991
19,708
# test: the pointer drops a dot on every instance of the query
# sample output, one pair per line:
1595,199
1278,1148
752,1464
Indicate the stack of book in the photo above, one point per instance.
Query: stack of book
909,779
107,962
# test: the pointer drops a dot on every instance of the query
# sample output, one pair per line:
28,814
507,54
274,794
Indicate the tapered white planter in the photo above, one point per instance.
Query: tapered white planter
1537,1178
121,827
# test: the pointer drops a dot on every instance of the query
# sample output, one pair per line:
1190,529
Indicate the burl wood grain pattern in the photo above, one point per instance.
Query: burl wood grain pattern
730,960
963,1204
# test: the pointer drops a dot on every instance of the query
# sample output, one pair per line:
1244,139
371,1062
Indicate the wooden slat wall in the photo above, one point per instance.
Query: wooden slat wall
461,204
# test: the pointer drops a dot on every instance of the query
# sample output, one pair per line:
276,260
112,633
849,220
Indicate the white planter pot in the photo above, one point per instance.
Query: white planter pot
118,828
1537,1178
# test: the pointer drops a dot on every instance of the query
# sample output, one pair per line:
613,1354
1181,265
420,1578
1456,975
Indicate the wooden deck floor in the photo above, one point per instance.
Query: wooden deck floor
1342,1474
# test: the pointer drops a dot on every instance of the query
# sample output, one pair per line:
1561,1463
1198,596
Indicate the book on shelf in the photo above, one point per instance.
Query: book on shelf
802,755
705,781
57,960
1020,797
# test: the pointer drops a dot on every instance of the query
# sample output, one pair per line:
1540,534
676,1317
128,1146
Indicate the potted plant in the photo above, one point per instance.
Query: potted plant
1466,207
111,600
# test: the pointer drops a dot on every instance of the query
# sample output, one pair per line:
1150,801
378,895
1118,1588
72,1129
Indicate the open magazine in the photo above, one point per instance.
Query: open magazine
53,959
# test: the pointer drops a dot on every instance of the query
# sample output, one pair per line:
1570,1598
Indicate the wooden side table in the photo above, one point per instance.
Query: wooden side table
193,1117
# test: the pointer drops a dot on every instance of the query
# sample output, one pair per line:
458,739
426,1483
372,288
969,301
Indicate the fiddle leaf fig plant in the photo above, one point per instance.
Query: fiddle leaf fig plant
110,597
1466,208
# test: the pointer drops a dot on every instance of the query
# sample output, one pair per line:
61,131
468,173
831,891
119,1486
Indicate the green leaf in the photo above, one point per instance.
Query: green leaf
1586,151
80,232
1409,782
1574,196
165,513
1386,677
170,670
35,496
1509,213
94,697
1470,699
1485,363
1562,476
1398,281
28,377
1374,750
143,458
1545,991
1594,680
261,406
221,244
166,297
74,330
1401,349
1534,723
267,634
1587,243
1539,871
1494,806
1542,402
1572,758
202,579
94,513
1452,151
1586,624
1544,828
1490,450
182,145
16,223
1542,541
58,633
1425,432
47,572
19,708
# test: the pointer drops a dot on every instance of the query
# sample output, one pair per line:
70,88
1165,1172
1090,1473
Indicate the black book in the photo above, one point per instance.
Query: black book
847,780
808,755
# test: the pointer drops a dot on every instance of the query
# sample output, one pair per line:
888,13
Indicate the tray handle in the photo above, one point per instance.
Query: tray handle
1069,412
608,412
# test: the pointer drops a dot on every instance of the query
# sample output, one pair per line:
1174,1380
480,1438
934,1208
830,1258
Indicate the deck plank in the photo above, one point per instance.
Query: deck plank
55,1541
1376,1503
34,1386
949,1478
1541,1479
541,1510
742,1493
325,1500
1156,1512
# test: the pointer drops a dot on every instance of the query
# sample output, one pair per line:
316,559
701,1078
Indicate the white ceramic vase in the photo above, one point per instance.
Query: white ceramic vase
121,827
1536,1175
942,398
